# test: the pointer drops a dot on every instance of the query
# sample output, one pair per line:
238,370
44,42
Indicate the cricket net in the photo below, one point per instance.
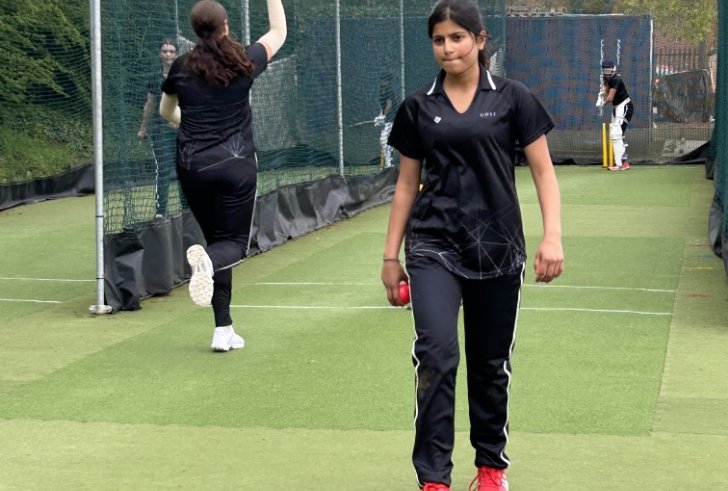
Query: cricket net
315,109
718,160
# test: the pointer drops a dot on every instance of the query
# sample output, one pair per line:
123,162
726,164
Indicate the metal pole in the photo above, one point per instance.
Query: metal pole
176,21
246,21
401,49
95,19
652,69
339,103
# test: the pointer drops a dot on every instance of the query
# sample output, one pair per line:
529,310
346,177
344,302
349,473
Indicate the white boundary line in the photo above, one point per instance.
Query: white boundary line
385,307
377,307
344,283
61,280
33,300
574,287
336,283
28,300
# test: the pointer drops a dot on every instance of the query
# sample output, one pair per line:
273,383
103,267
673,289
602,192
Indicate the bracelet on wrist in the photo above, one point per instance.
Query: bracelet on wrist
391,259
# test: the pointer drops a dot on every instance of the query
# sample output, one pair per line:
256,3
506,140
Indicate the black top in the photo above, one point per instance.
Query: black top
211,115
467,215
615,82
154,88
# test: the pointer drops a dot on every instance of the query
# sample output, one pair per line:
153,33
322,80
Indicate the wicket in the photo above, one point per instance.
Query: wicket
607,148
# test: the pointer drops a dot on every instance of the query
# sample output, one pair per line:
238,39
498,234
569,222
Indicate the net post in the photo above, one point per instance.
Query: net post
339,96
95,19
604,145
245,12
402,59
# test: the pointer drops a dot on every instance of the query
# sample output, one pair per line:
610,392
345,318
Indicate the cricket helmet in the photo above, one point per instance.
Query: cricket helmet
609,68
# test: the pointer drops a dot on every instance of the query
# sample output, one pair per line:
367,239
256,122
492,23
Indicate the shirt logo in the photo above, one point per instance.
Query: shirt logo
490,114
438,119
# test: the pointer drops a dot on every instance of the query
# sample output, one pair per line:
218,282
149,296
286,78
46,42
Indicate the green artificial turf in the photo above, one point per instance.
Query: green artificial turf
619,369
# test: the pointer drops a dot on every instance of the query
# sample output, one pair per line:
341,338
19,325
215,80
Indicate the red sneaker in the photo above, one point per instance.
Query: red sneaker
489,479
435,486
625,165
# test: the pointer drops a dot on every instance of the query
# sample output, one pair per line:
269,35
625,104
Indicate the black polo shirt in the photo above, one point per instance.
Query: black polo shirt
211,114
467,215
615,82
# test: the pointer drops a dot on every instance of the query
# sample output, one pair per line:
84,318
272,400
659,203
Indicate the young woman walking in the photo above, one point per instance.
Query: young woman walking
464,240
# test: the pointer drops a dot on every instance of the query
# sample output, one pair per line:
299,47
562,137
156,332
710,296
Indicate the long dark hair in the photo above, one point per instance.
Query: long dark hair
169,42
464,13
216,57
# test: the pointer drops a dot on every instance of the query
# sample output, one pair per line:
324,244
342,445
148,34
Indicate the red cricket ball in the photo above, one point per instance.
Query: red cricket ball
404,292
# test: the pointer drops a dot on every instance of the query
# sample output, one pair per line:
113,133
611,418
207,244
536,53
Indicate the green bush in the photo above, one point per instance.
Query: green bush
40,142
45,96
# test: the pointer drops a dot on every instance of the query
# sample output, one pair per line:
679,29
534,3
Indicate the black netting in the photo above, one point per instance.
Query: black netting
315,108
345,62
719,210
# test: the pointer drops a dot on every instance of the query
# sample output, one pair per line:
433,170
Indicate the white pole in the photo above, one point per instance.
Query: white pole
95,19
339,108
401,47
652,66
176,21
246,21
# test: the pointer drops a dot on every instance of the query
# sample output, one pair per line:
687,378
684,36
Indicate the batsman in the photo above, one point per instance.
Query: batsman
615,92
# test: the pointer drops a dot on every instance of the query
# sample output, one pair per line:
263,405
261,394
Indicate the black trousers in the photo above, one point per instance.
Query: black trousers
220,189
627,116
164,145
490,310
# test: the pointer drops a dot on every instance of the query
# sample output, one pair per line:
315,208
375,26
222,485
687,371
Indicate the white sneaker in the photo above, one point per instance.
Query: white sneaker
225,339
201,284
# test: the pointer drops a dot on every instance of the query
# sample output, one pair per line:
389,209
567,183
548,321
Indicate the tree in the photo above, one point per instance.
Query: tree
591,6
45,92
44,52
693,21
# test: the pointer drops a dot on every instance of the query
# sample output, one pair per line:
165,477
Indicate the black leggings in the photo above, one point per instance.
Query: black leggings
163,144
220,190
490,312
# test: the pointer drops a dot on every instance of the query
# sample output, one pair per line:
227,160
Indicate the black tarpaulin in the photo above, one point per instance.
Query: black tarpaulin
75,182
150,260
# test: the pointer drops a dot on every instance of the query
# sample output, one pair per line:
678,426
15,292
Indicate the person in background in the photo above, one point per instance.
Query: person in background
464,240
207,92
163,133
615,92
385,120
